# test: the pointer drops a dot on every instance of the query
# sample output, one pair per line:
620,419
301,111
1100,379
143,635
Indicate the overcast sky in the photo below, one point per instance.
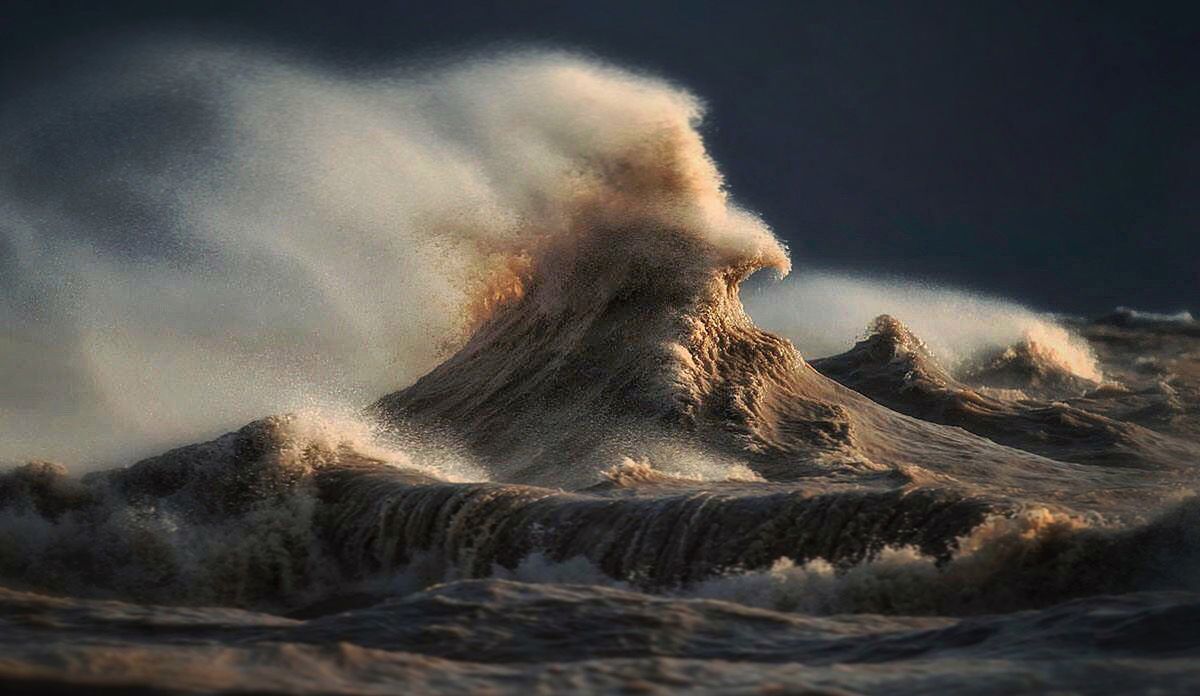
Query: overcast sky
1048,152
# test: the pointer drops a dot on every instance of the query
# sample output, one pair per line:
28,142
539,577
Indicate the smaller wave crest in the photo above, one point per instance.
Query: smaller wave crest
1033,559
1180,317
695,468
824,313
235,521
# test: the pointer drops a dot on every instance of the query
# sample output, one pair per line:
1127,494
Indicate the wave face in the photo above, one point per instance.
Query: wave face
589,466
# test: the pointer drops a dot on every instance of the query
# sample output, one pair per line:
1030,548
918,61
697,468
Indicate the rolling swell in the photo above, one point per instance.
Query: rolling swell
304,521
919,551
263,518
379,524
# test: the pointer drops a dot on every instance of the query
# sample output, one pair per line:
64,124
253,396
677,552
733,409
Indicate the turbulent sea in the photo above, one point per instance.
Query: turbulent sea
562,455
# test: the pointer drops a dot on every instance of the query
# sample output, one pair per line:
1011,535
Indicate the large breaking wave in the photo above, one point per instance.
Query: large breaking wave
221,233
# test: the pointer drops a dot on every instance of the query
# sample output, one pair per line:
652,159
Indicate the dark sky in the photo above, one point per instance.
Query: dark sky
1047,151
